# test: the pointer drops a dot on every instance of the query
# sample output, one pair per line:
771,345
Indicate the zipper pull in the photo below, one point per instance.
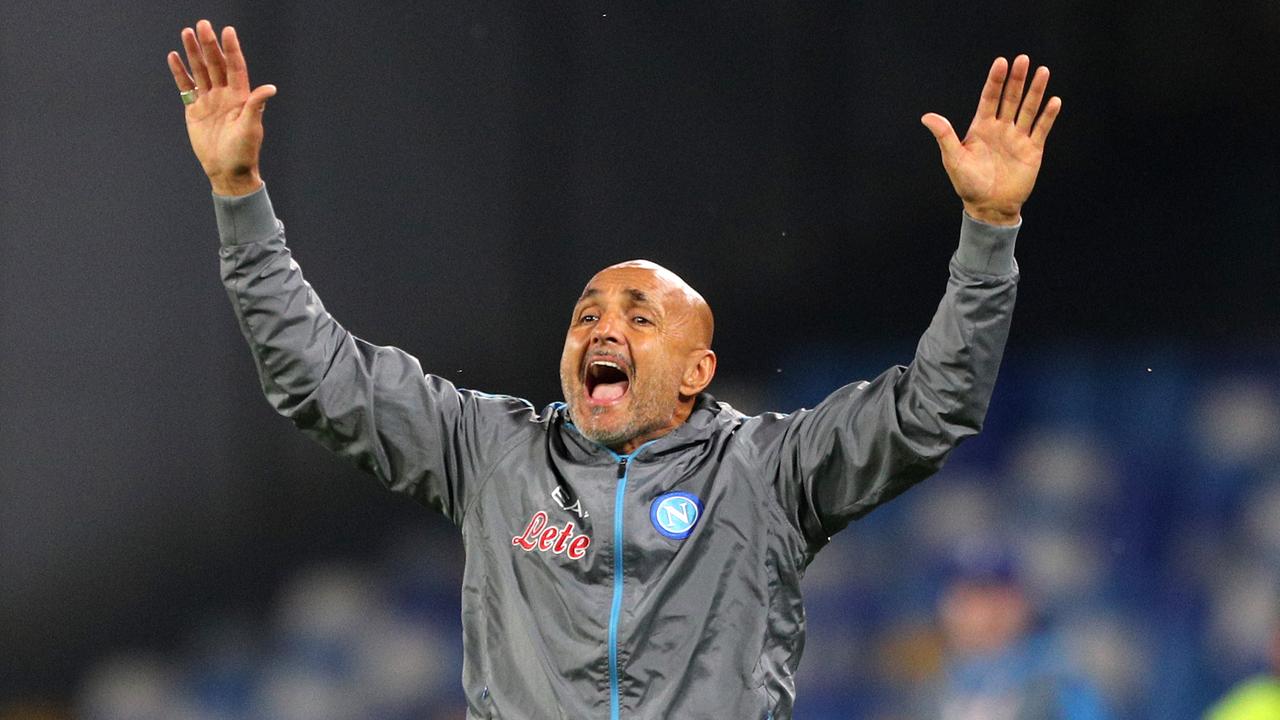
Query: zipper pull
622,467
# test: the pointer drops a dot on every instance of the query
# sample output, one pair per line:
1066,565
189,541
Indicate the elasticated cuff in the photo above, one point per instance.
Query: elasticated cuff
244,219
986,249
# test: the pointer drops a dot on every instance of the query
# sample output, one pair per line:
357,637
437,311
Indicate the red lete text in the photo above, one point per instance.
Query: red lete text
538,535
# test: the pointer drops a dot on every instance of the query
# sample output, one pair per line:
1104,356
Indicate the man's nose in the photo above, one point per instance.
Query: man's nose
607,330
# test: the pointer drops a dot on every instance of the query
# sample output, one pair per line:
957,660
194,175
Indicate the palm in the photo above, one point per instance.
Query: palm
998,164
994,168
219,139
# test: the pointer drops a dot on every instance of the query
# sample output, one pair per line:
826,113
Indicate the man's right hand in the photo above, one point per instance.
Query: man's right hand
225,121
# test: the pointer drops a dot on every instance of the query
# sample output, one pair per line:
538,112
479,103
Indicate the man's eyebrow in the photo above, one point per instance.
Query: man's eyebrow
637,296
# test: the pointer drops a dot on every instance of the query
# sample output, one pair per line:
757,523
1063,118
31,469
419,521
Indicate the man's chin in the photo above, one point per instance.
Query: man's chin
608,438
607,435
592,421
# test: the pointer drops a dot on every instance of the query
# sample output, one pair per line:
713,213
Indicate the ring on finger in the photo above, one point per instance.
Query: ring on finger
188,96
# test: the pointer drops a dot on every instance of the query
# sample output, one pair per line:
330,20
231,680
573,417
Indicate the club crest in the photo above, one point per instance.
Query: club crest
675,514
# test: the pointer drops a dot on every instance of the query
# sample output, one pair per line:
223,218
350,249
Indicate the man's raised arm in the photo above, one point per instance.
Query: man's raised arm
869,441
415,432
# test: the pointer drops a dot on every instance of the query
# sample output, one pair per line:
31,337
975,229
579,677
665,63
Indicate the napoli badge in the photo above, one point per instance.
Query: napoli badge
675,514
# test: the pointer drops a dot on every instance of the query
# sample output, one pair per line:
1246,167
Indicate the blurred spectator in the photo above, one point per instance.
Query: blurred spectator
998,665
1255,699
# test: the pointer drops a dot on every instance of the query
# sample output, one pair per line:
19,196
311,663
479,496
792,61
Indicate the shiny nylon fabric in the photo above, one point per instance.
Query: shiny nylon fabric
711,626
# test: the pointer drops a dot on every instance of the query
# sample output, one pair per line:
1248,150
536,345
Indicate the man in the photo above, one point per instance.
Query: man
1000,665
636,550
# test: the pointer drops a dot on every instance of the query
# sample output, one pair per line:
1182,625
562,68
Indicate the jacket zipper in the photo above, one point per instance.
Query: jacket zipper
616,609
624,467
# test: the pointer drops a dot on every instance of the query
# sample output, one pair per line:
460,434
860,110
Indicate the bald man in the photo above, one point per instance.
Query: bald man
635,551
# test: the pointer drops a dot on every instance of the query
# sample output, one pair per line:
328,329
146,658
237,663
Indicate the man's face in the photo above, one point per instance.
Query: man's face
636,333
982,617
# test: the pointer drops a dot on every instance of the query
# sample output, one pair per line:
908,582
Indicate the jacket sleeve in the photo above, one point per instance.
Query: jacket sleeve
869,441
416,433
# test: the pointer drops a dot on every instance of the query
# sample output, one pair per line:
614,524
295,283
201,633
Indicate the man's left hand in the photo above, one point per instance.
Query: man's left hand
994,168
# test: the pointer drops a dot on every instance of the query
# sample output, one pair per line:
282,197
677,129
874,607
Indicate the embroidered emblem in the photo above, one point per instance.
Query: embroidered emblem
675,514
543,537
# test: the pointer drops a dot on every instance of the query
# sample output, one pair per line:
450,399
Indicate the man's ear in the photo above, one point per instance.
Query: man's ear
698,373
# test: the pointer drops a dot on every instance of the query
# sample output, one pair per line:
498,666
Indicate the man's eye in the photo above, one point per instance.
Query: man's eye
587,318
640,320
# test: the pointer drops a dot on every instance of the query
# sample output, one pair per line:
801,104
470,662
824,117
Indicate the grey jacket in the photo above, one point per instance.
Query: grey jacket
660,584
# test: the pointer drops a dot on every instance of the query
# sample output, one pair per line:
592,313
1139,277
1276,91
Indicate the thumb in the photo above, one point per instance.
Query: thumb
257,100
943,133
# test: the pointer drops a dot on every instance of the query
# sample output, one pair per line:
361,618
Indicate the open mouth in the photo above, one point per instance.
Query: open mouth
606,380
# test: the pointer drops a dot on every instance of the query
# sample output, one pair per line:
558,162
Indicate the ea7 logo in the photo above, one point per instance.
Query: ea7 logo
675,514
538,535
567,501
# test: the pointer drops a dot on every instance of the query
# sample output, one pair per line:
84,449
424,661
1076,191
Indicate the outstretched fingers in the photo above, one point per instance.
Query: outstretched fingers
237,69
195,59
1031,104
181,77
1002,98
1045,122
1013,89
213,58
990,99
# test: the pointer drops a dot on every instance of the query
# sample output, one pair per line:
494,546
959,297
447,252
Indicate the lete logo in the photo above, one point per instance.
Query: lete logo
675,514
538,535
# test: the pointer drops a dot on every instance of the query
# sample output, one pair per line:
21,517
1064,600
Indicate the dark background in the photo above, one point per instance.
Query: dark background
451,173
